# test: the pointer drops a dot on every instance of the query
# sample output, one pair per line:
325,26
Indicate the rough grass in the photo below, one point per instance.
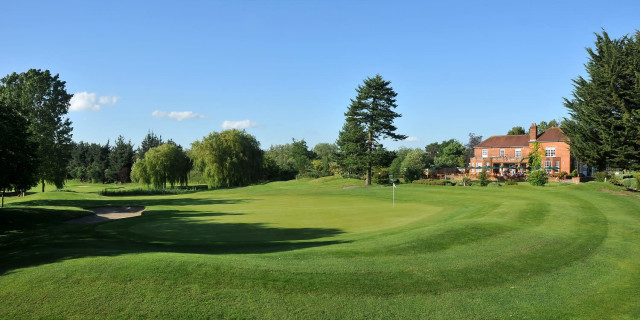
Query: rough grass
326,249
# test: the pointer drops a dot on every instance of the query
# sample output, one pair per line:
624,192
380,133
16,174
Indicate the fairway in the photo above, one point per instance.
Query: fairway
326,248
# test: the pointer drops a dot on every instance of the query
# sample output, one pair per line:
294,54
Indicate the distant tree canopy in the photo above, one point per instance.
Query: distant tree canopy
120,161
450,153
151,140
167,163
41,102
372,112
604,113
518,130
229,158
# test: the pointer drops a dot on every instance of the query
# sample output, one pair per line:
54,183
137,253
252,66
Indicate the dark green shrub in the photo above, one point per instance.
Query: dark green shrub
483,178
630,183
615,180
601,176
433,182
511,182
537,177
412,174
381,176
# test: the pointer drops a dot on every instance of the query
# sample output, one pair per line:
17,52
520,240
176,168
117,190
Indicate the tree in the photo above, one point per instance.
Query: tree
450,154
45,102
396,165
302,157
516,131
325,154
17,148
352,145
162,164
120,161
373,110
151,140
474,140
229,158
604,112
413,164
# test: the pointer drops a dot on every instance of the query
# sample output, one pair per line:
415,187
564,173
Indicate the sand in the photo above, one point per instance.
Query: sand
108,213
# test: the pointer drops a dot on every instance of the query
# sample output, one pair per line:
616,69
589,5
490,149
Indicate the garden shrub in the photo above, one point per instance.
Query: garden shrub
466,181
511,182
538,177
483,178
432,182
412,174
575,173
615,180
630,183
563,175
382,177
601,176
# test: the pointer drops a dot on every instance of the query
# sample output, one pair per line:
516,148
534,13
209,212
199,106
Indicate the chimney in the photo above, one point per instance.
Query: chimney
533,132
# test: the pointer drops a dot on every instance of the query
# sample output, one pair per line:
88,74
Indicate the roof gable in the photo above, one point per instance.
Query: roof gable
553,134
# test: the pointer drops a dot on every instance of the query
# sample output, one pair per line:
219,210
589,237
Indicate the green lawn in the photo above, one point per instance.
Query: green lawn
326,249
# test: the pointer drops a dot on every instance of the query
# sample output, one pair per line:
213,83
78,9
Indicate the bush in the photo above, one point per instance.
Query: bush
511,182
615,180
630,183
466,181
637,181
563,175
483,178
575,173
432,182
412,174
538,177
601,176
382,177
148,192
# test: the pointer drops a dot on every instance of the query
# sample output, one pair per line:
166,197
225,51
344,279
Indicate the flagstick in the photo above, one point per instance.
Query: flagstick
394,196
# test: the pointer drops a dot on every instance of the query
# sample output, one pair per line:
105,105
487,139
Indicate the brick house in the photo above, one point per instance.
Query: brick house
507,155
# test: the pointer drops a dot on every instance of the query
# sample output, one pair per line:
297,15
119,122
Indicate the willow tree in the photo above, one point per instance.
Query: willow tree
229,158
372,109
167,163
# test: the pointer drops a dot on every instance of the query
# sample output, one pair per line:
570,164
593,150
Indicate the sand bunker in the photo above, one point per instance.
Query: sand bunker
108,213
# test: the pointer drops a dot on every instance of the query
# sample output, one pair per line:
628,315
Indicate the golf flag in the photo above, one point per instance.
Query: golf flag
393,202
394,185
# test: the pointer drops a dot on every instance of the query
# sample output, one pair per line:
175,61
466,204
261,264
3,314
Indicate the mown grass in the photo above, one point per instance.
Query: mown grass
326,248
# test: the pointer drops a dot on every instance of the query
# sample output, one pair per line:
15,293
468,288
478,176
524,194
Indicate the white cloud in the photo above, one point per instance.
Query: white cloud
177,115
244,124
83,101
412,139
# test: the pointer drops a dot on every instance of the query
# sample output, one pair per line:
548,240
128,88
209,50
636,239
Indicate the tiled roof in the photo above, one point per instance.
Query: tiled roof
521,140
553,134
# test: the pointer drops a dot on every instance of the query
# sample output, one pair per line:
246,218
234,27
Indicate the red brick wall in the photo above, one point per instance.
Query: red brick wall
562,154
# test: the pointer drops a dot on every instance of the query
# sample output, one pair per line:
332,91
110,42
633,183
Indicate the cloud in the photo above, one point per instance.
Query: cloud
244,124
85,101
177,115
412,139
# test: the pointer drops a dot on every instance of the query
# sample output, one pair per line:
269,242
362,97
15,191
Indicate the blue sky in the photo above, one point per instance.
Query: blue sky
287,69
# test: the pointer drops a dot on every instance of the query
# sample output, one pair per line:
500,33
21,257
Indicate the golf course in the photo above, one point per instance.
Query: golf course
324,249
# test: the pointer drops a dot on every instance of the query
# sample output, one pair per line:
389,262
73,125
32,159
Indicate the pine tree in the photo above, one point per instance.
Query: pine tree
373,110
604,123
352,148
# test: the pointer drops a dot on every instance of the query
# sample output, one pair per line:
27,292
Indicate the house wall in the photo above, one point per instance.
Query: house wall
562,155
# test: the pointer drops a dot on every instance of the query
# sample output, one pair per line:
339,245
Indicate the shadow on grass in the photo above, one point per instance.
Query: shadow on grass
119,202
24,244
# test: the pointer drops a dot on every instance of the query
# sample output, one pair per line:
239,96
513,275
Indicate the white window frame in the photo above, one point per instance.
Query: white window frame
550,152
501,153
485,153
518,153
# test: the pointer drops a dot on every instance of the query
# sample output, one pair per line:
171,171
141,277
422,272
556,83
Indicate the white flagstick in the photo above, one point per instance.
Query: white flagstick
394,195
